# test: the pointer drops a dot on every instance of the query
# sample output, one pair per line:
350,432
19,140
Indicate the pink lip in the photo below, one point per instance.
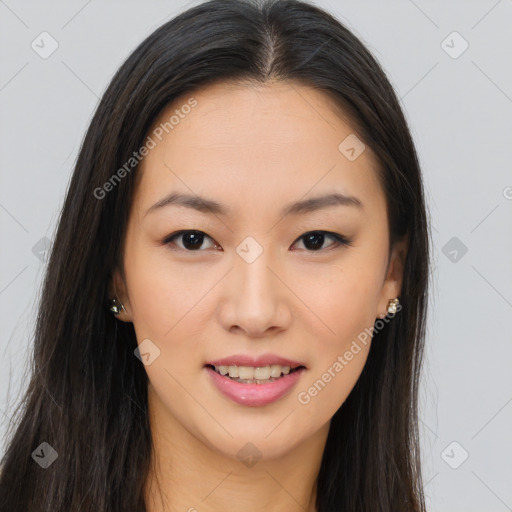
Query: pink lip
263,360
254,395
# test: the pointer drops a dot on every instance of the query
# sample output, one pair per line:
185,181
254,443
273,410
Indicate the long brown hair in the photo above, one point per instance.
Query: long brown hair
87,396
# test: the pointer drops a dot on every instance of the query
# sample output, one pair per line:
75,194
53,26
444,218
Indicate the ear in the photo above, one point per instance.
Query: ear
392,285
117,288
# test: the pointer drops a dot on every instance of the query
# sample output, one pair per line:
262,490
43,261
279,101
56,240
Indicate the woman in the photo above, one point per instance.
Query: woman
234,308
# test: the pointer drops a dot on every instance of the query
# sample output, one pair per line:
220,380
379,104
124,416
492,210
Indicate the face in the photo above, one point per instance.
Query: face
249,280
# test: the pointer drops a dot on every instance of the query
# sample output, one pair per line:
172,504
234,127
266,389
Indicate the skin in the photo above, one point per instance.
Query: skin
254,149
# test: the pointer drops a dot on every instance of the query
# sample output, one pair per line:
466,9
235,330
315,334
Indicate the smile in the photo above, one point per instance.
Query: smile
254,386
254,375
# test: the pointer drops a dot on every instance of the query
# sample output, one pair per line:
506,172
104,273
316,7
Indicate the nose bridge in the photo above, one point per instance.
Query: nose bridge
258,291
257,281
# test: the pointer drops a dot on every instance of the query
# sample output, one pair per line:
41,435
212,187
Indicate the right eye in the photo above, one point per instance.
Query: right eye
191,240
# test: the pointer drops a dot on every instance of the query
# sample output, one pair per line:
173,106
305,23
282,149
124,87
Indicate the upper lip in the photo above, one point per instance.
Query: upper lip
263,360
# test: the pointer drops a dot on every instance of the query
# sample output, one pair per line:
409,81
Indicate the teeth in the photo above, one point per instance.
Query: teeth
275,370
245,372
222,369
249,373
262,373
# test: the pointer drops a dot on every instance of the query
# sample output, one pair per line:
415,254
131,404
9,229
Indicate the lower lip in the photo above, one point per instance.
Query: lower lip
254,395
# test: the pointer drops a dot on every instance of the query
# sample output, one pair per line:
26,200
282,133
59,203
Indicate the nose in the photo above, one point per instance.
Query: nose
257,300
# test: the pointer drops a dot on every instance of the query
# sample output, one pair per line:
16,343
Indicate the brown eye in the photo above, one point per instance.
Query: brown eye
314,240
191,240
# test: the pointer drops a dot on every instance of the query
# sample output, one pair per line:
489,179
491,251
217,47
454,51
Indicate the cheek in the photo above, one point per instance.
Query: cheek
163,294
339,359
346,300
346,304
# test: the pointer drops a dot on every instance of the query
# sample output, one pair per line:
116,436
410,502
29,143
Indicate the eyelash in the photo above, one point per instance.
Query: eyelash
340,240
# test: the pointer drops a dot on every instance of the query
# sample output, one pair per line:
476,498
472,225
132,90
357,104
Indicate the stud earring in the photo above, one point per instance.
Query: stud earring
392,304
116,305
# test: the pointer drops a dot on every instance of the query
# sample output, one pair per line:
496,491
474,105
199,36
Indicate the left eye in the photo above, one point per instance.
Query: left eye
192,240
315,239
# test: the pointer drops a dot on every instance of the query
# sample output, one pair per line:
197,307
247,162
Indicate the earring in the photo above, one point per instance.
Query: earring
116,306
392,304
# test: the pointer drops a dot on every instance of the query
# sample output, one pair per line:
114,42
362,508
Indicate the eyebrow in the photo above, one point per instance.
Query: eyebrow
204,205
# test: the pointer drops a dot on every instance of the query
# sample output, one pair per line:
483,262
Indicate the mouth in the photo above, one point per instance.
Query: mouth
255,374
254,382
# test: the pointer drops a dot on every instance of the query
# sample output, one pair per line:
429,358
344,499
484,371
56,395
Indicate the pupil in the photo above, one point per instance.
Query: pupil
192,240
315,238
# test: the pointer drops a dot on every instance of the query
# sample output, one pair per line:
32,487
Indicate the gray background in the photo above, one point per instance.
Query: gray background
460,109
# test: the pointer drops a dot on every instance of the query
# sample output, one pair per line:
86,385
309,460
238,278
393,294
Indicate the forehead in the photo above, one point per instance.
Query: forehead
278,113
252,143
